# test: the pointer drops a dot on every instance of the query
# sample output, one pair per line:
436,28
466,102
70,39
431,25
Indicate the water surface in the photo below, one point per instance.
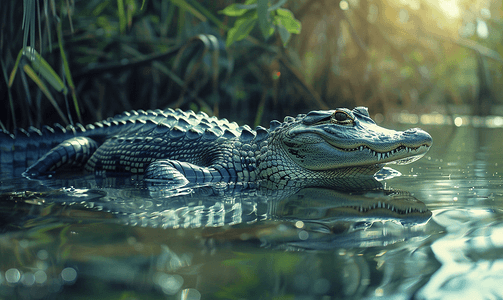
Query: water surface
79,236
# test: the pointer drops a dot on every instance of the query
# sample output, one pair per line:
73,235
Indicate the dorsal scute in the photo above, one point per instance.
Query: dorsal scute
151,112
141,112
46,129
180,113
140,121
162,122
274,124
233,125
247,135
169,111
170,121
161,129
21,133
6,136
229,134
300,117
160,118
125,114
70,129
288,119
182,122
245,127
193,133
262,133
80,128
151,123
203,126
58,128
176,133
210,134
33,130
189,113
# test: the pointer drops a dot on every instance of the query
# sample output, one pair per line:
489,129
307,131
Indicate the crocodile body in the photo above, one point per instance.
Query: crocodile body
317,148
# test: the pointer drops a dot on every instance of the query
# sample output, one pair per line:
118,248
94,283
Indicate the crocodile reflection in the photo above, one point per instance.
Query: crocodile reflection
327,204
313,217
363,218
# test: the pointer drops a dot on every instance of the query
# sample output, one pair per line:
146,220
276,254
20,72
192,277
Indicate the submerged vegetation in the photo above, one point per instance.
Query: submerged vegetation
253,60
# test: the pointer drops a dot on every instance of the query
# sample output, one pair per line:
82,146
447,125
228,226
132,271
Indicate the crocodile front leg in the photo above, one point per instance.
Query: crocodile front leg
181,173
73,152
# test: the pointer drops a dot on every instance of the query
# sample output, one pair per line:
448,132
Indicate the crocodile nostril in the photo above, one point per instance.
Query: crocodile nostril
411,131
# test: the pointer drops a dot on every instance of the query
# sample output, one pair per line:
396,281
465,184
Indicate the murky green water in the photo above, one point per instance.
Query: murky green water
101,239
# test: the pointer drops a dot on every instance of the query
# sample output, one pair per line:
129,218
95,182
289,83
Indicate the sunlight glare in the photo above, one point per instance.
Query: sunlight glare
344,5
450,8
497,237
482,30
403,15
485,13
458,121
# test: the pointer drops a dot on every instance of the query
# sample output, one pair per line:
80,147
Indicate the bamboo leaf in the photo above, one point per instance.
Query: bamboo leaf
38,81
264,21
9,93
241,29
66,65
285,18
14,70
284,34
277,5
208,14
44,69
122,15
237,10
286,23
183,4
68,74
233,10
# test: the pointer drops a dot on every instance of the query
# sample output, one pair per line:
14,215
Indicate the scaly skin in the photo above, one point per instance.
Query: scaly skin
321,148
314,149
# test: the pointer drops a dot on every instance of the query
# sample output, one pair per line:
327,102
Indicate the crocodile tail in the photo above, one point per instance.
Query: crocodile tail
23,147
74,152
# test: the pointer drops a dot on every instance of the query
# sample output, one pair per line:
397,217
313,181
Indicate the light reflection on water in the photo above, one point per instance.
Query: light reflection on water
440,119
210,243
460,180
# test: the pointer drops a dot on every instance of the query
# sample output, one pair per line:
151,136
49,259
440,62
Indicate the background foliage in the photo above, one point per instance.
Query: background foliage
82,61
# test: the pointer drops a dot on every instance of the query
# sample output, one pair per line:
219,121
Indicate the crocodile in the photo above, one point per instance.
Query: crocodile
314,149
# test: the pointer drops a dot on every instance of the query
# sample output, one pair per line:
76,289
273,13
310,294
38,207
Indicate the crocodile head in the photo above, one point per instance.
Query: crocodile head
343,138
327,205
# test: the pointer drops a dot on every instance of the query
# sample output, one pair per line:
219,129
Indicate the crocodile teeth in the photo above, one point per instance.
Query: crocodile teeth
392,208
383,155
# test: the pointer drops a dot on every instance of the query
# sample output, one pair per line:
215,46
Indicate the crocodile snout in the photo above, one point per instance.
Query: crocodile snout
419,135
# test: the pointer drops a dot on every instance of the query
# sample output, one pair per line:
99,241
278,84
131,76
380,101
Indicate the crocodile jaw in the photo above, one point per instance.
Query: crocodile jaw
401,155
327,147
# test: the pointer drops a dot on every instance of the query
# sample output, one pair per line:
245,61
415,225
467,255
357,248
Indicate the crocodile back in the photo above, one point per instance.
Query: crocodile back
22,148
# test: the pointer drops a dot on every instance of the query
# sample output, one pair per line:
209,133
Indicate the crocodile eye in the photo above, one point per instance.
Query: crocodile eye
340,117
